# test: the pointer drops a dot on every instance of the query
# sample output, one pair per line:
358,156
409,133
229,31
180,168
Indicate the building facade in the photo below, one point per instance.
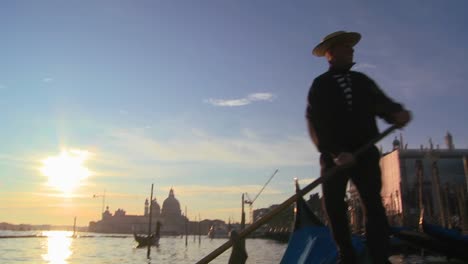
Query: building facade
170,216
430,181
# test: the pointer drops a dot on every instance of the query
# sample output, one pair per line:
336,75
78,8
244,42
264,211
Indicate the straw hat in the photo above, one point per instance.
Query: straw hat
333,38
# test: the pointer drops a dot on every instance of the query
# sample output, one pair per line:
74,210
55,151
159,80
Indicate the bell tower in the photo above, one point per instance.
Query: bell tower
449,141
146,207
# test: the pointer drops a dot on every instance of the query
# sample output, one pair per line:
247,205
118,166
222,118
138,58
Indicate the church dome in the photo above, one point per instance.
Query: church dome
171,206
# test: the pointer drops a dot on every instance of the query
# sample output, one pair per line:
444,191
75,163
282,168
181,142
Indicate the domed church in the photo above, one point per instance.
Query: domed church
172,218
171,206
170,215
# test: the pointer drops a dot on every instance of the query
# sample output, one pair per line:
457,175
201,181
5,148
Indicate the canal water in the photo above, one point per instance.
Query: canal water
59,247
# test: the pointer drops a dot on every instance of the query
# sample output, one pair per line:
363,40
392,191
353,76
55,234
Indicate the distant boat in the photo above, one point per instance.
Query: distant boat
152,240
217,232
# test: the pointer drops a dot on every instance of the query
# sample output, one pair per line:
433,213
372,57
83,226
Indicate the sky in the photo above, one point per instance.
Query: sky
104,98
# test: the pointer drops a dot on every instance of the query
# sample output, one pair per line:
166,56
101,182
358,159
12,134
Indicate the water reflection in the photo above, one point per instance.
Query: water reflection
58,247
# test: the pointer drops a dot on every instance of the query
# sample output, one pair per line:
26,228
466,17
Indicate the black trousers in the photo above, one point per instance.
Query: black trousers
366,176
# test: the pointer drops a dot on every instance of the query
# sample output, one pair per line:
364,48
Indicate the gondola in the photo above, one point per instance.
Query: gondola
418,240
456,244
312,242
144,241
152,240
434,238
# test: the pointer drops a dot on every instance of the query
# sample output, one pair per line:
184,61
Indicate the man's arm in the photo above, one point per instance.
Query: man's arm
386,108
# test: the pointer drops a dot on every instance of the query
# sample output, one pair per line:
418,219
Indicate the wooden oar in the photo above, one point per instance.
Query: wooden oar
244,233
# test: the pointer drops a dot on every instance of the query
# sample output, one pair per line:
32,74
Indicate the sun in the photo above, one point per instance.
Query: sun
66,171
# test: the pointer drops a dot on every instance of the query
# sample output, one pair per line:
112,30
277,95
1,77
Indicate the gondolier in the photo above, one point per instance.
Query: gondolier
342,107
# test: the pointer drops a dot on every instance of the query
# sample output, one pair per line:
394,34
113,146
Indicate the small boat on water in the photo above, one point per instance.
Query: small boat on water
144,241
217,232
152,240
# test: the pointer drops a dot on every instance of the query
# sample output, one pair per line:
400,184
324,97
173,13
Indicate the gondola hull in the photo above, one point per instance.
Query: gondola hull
312,242
455,244
144,241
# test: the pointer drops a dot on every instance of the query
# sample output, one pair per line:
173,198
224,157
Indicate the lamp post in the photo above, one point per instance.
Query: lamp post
103,200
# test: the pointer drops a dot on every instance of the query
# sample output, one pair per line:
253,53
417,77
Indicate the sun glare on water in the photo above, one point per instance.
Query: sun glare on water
66,171
58,247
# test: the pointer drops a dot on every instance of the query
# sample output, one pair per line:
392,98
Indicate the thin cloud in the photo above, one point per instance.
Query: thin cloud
249,133
261,97
235,102
18,160
212,149
242,101
47,80
143,156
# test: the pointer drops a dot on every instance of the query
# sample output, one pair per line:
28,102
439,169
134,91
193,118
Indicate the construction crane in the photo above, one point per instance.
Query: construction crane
251,201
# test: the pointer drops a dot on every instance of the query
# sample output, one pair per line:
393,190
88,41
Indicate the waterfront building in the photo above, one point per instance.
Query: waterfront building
170,216
430,178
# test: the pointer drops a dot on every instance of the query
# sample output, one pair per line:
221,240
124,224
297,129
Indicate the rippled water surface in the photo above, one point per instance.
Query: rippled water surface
60,247
57,247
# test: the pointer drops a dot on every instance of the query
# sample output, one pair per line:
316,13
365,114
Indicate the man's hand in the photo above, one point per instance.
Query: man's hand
400,119
344,159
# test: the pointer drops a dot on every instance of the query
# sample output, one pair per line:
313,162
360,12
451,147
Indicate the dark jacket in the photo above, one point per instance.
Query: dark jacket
337,127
